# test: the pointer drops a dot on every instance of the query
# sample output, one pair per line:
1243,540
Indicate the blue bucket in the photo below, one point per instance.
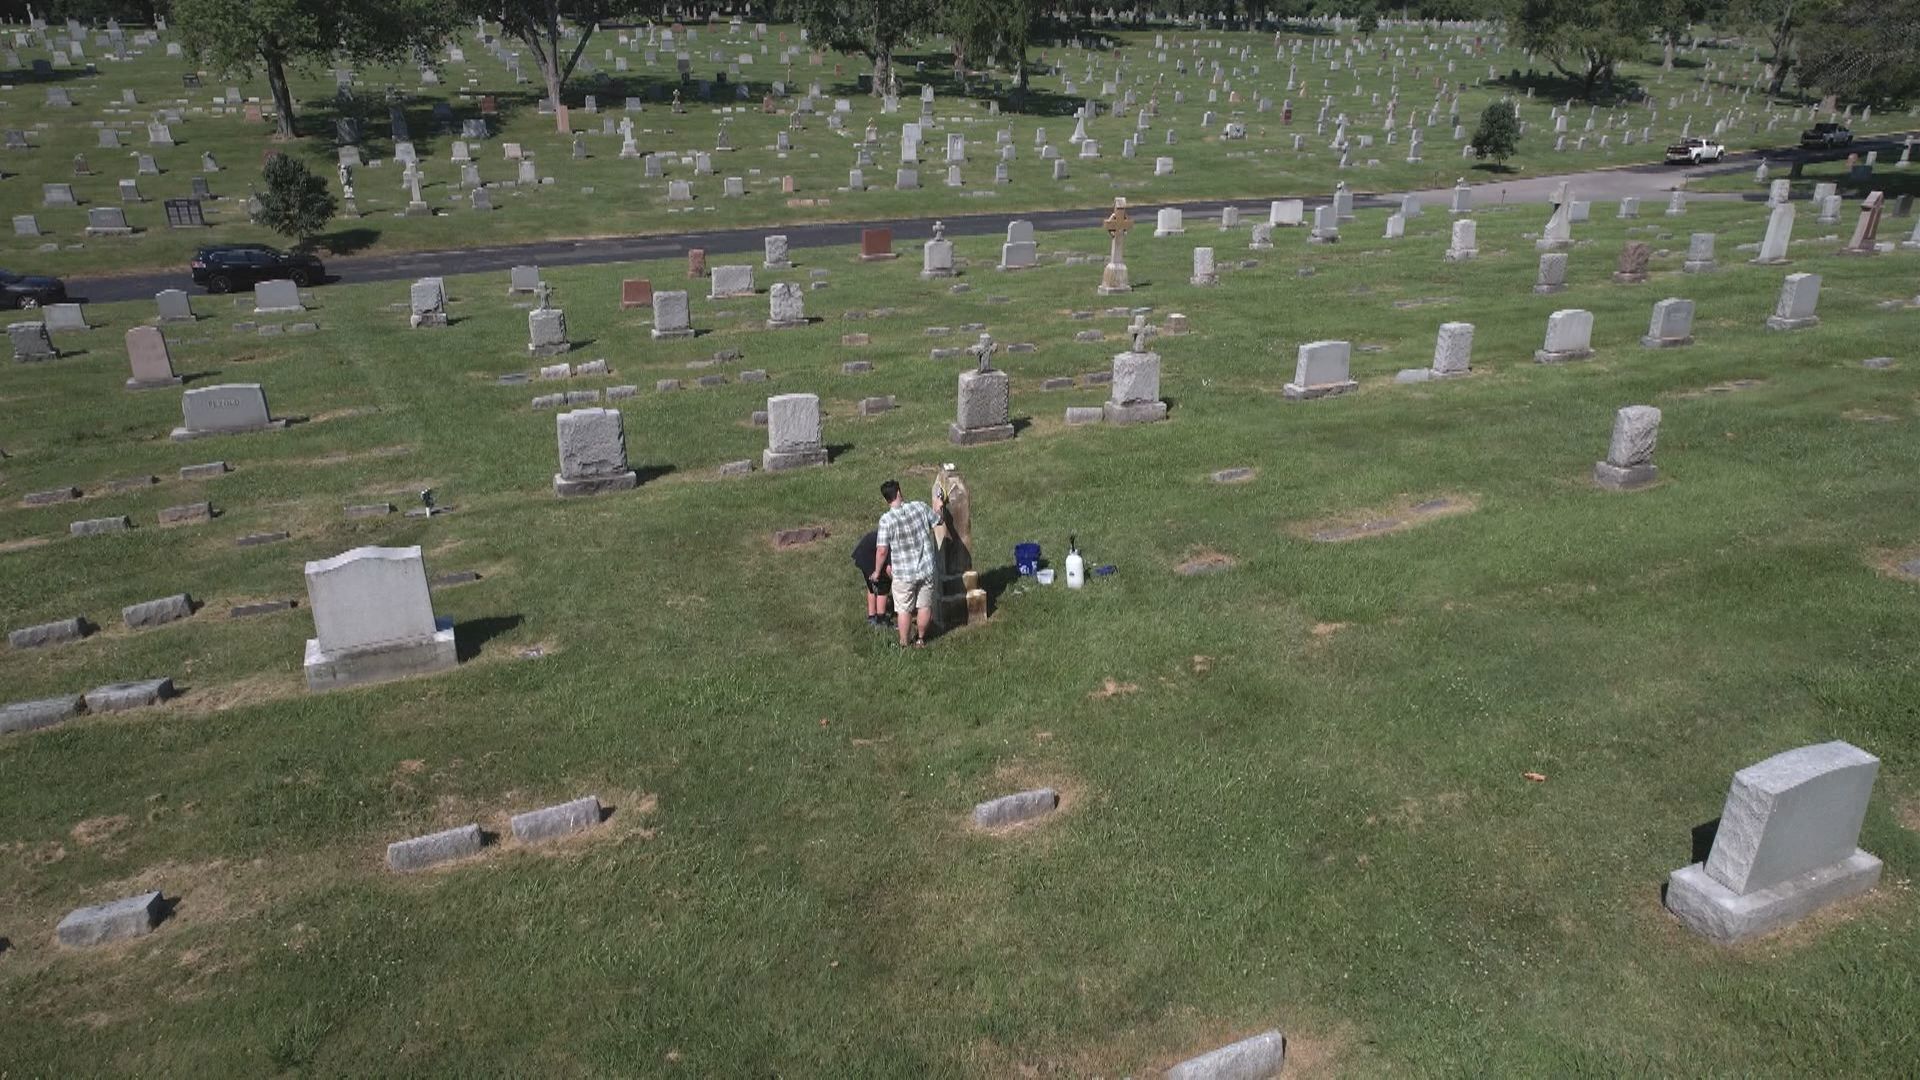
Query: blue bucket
1026,558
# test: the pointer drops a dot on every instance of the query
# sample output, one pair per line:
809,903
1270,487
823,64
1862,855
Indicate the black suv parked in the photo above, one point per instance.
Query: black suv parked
226,267
27,291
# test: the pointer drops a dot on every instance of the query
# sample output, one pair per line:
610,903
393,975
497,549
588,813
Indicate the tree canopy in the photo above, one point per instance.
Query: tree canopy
877,29
1584,39
244,36
542,25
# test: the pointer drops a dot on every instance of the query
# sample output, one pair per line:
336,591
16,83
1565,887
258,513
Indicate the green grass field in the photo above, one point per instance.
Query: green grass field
1292,792
623,202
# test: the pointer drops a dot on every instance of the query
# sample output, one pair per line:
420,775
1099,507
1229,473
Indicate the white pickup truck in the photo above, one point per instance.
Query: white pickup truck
1695,152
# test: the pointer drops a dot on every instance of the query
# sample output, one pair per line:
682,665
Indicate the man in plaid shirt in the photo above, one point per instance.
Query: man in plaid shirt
906,548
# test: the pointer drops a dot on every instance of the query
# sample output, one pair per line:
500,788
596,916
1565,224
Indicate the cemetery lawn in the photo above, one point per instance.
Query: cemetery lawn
1294,792
1887,179
605,195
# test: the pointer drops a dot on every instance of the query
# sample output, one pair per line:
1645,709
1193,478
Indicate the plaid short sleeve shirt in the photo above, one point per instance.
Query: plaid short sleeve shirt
907,533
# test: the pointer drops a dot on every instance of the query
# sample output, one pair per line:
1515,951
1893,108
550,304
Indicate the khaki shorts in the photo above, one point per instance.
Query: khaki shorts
912,595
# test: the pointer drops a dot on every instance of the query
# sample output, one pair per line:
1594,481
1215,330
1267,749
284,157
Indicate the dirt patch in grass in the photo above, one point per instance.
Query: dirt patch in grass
799,536
1413,813
1324,630
1868,416
260,689
1202,561
99,830
1907,813
1112,689
1143,1050
1901,564
1401,516
345,456
24,543
347,413
1733,386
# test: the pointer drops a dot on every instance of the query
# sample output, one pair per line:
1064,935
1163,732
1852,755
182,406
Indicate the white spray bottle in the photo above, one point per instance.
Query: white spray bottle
1076,566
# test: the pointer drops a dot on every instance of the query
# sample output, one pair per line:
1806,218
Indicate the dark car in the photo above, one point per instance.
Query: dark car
27,291
1824,136
232,266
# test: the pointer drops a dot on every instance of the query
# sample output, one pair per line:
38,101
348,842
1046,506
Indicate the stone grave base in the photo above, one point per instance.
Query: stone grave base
1161,234
419,209
1702,267
1628,279
729,295
1711,909
929,275
881,257
417,321
960,436
1858,251
94,231
595,485
661,335
1766,262
1548,290
1553,245
1134,412
557,349
336,671
1652,342
1316,238
1294,392
1775,322
785,325
1615,478
181,434
279,310
1560,356
1210,279
152,384
780,461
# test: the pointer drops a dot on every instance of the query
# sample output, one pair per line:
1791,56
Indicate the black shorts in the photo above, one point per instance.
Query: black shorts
881,587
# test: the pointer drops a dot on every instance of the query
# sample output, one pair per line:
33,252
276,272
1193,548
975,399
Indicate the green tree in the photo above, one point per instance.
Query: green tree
542,26
1584,39
1864,50
1499,133
994,32
1369,20
245,36
296,204
1781,23
877,29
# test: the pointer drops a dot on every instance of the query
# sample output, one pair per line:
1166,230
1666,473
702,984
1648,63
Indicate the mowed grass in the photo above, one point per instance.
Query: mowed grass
605,195
1292,791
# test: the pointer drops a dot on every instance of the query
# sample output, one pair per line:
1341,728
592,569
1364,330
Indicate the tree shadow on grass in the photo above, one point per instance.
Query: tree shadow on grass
995,582
471,636
1553,86
1498,168
348,241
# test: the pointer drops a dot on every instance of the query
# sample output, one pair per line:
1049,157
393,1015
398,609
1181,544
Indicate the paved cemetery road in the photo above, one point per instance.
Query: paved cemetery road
1648,182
